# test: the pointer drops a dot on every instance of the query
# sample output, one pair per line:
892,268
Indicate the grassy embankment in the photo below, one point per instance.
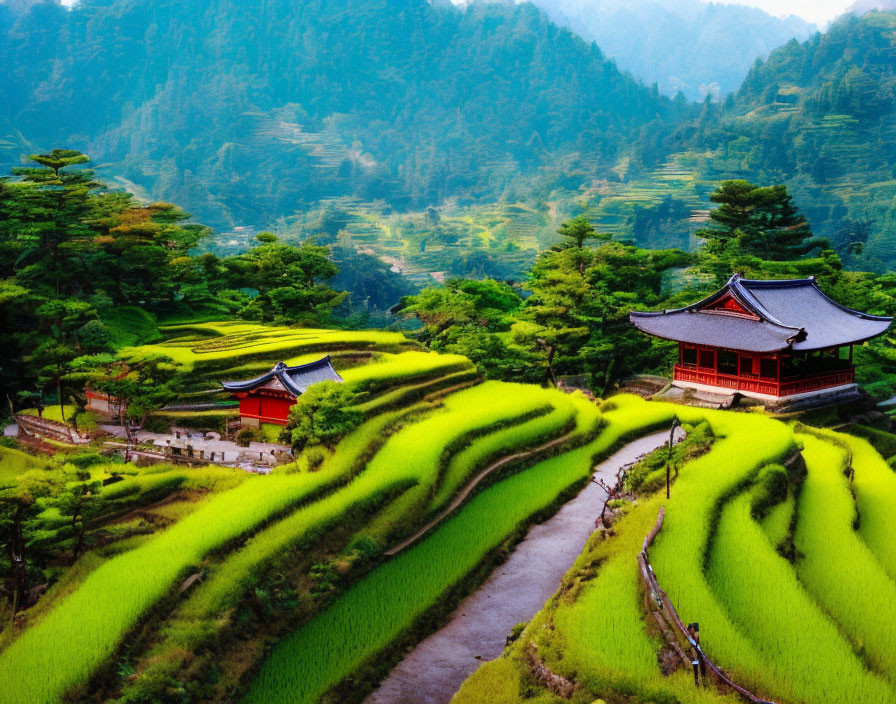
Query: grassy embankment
393,603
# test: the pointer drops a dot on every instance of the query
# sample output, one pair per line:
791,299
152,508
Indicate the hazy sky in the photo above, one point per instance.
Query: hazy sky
819,11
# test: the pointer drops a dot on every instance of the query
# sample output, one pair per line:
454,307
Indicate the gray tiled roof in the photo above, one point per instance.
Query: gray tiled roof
793,313
294,379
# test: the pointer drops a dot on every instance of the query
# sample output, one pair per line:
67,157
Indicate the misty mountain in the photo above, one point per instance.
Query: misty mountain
243,111
688,45
863,6
821,117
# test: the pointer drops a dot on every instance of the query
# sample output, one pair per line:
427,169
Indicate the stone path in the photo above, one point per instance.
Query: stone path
433,671
225,450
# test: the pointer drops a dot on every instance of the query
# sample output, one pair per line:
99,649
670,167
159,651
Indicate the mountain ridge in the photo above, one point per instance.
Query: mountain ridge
401,101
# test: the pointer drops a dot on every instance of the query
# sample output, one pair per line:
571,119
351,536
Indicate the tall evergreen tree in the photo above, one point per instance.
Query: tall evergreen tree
753,221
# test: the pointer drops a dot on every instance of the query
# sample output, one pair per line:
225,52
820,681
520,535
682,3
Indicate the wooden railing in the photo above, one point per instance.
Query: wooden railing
45,428
662,607
770,387
820,381
264,419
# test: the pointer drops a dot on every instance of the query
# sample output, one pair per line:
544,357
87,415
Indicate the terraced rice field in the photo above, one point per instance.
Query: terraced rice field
14,463
426,432
215,349
300,602
815,628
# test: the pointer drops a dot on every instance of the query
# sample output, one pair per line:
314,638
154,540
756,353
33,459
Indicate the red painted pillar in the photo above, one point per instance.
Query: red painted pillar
778,375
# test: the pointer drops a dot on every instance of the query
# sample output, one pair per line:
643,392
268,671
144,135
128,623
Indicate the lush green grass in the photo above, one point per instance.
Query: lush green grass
14,462
53,412
875,489
397,369
882,441
680,552
622,655
594,632
77,637
805,657
230,578
204,347
384,605
202,614
776,524
271,432
129,326
837,567
421,451
505,441
603,640
599,638
410,393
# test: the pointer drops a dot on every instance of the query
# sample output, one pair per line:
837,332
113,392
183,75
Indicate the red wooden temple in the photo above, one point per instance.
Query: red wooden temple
268,398
764,339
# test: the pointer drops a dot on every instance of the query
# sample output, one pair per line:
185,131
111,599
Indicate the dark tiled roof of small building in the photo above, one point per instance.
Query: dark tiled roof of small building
787,314
295,380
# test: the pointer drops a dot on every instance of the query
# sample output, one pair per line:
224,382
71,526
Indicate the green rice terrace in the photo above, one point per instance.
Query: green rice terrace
167,581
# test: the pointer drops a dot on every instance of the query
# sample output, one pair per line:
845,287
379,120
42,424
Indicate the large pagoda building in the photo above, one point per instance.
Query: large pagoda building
765,339
268,398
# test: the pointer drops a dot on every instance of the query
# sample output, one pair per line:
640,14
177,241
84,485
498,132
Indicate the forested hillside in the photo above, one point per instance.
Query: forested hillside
693,46
245,111
820,117
443,140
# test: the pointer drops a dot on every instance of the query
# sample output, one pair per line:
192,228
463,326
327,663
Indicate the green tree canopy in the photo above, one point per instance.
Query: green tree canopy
761,220
578,231
322,415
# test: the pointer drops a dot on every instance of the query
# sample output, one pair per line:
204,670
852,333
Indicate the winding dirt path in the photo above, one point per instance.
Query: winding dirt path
434,670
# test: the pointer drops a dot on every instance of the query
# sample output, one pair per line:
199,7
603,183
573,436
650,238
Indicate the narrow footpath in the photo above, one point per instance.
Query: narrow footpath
433,671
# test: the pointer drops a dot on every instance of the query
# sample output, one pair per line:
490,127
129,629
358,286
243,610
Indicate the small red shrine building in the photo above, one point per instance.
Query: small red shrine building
268,398
764,339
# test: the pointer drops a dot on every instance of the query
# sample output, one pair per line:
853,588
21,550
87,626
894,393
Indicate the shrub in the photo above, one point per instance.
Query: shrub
323,415
771,489
248,434
365,546
83,460
86,421
315,457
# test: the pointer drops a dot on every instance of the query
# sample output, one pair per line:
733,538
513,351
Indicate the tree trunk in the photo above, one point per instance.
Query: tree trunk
79,544
17,562
59,393
551,376
607,377
124,421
